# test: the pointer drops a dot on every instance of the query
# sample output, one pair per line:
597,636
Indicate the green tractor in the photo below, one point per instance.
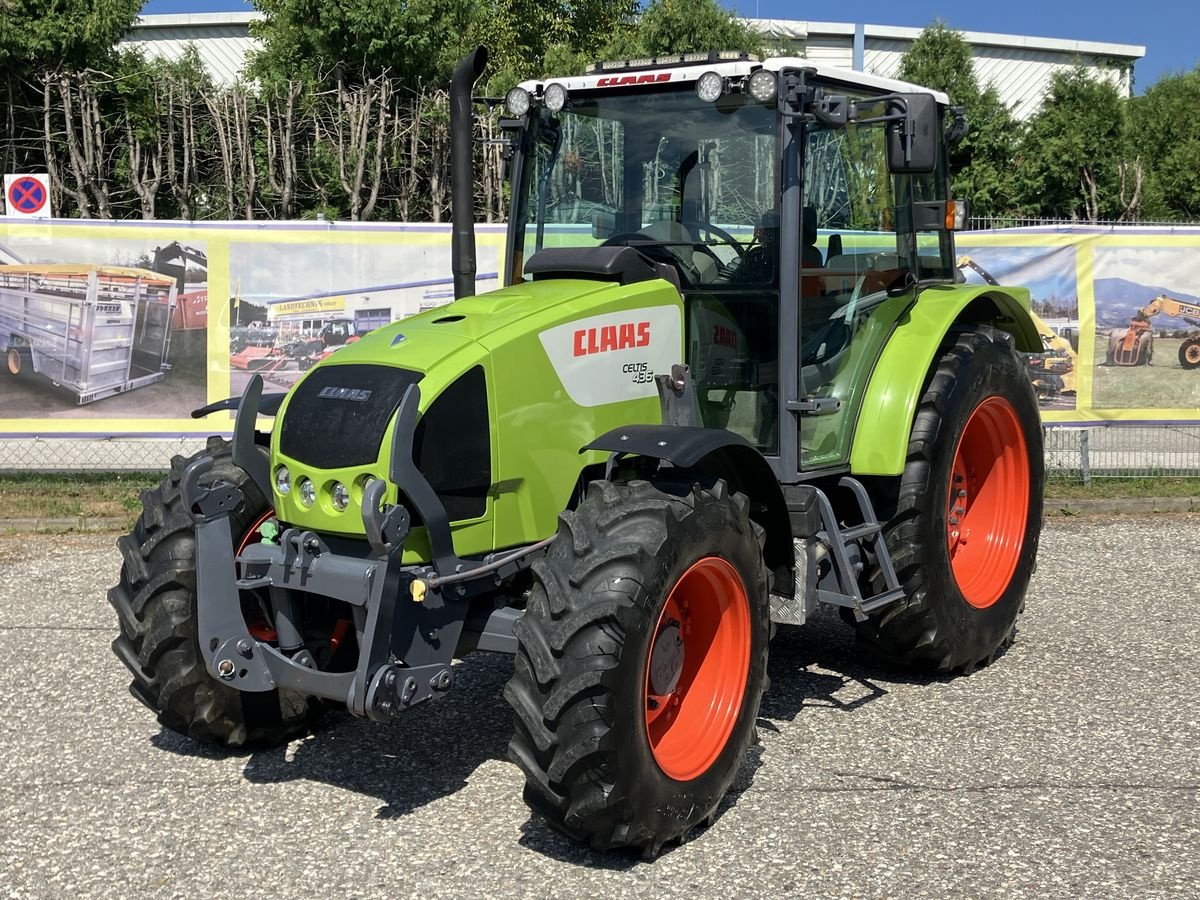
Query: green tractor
731,376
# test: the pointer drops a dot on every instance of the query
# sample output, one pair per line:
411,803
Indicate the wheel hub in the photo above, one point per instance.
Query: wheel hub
666,659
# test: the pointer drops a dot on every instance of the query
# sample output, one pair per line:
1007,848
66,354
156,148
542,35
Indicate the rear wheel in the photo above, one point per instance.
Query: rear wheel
155,602
18,362
1145,349
1189,353
963,530
641,663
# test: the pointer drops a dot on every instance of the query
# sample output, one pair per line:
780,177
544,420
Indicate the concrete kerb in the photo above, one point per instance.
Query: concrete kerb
1106,507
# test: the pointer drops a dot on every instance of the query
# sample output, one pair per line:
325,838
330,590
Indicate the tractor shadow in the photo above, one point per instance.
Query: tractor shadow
422,756
821,665
431,751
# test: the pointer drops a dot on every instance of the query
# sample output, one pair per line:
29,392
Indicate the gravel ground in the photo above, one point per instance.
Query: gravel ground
1069,768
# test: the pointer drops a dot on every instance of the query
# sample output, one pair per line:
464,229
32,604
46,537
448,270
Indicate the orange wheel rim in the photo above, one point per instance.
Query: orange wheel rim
14,362
1193,353
988,502
697,668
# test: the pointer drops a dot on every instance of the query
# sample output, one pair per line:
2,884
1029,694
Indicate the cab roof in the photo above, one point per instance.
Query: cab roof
669,73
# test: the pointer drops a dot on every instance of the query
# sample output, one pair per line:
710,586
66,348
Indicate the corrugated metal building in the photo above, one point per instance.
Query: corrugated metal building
1019,67
222,39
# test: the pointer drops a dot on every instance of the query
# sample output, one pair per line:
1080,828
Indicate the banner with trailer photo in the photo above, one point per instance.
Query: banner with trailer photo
121,329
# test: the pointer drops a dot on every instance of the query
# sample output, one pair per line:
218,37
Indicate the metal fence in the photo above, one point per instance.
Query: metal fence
1122,451
992,223
1077,453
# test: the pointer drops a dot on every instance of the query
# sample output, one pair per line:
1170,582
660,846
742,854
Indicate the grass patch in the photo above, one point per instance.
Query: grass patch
112,495
1122,488
109,495
1164,384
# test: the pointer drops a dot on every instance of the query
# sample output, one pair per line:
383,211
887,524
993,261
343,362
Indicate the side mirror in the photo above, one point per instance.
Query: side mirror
912,140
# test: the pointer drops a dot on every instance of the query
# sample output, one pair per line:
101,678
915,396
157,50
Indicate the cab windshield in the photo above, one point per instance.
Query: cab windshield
687,182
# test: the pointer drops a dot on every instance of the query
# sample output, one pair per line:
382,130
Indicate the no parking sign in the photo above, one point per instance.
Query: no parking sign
27,196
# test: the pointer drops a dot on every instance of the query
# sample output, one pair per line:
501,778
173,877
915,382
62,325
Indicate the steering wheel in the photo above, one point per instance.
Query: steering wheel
738,247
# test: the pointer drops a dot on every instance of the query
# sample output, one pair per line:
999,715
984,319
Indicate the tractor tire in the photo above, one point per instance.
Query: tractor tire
641,663
155,602
975,470
1145,349
1114,341
1189,353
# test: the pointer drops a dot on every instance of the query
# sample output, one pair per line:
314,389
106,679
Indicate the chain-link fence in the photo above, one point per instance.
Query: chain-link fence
52,454
1073,452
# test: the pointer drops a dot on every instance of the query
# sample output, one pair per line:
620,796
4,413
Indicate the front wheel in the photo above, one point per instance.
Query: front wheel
1189,353
155,601
641,663
963,529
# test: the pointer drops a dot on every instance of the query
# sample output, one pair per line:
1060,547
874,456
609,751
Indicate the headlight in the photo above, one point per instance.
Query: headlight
517,101
308,492
710,86
283,480
763,86
555,97
340,496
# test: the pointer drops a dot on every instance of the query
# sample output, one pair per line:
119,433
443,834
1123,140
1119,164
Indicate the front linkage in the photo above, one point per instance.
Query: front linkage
409,620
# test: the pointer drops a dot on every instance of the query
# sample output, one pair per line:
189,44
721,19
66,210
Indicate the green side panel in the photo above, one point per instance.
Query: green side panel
536,429
890,403
540,428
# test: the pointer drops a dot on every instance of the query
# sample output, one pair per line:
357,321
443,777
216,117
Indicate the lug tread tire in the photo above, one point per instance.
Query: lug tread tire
155,602
933,629
597,592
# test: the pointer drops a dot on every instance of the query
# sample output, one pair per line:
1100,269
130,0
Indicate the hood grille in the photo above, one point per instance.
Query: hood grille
338,414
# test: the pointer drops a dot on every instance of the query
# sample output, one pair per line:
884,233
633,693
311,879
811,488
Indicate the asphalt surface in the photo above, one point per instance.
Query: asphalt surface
1069,768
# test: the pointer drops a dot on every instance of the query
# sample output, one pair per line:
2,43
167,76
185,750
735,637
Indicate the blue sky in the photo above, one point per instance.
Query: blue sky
1168,30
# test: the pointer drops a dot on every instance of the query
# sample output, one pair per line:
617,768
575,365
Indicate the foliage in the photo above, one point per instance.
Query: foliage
689,26
1165,134
343,112
62,34
1073,148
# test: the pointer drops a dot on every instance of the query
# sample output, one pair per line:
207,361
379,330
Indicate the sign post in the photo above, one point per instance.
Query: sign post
27,196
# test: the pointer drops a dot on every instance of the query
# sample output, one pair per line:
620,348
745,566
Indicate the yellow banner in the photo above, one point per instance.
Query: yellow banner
1115,307
306,307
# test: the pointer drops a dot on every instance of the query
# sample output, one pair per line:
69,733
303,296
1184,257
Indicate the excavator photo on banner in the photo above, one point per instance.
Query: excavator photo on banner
1052,372
1134,345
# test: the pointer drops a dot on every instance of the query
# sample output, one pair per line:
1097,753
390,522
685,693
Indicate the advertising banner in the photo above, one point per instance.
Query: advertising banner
121,329
1119,310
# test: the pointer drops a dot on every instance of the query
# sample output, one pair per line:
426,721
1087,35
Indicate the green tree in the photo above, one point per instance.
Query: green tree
415,40
1074,150
981,163
1165,136
692,26
61,34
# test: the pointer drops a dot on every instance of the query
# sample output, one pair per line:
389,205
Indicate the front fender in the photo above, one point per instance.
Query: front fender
890,403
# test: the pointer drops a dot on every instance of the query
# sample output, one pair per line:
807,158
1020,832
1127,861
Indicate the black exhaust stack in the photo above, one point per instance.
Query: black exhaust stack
462,172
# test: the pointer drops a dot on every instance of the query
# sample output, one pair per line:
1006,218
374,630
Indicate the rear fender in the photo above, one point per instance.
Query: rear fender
716,453
885,419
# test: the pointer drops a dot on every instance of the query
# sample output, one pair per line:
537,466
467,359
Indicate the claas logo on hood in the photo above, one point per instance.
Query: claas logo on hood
612,337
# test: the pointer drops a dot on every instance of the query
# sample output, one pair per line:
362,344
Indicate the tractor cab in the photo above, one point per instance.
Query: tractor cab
787,202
